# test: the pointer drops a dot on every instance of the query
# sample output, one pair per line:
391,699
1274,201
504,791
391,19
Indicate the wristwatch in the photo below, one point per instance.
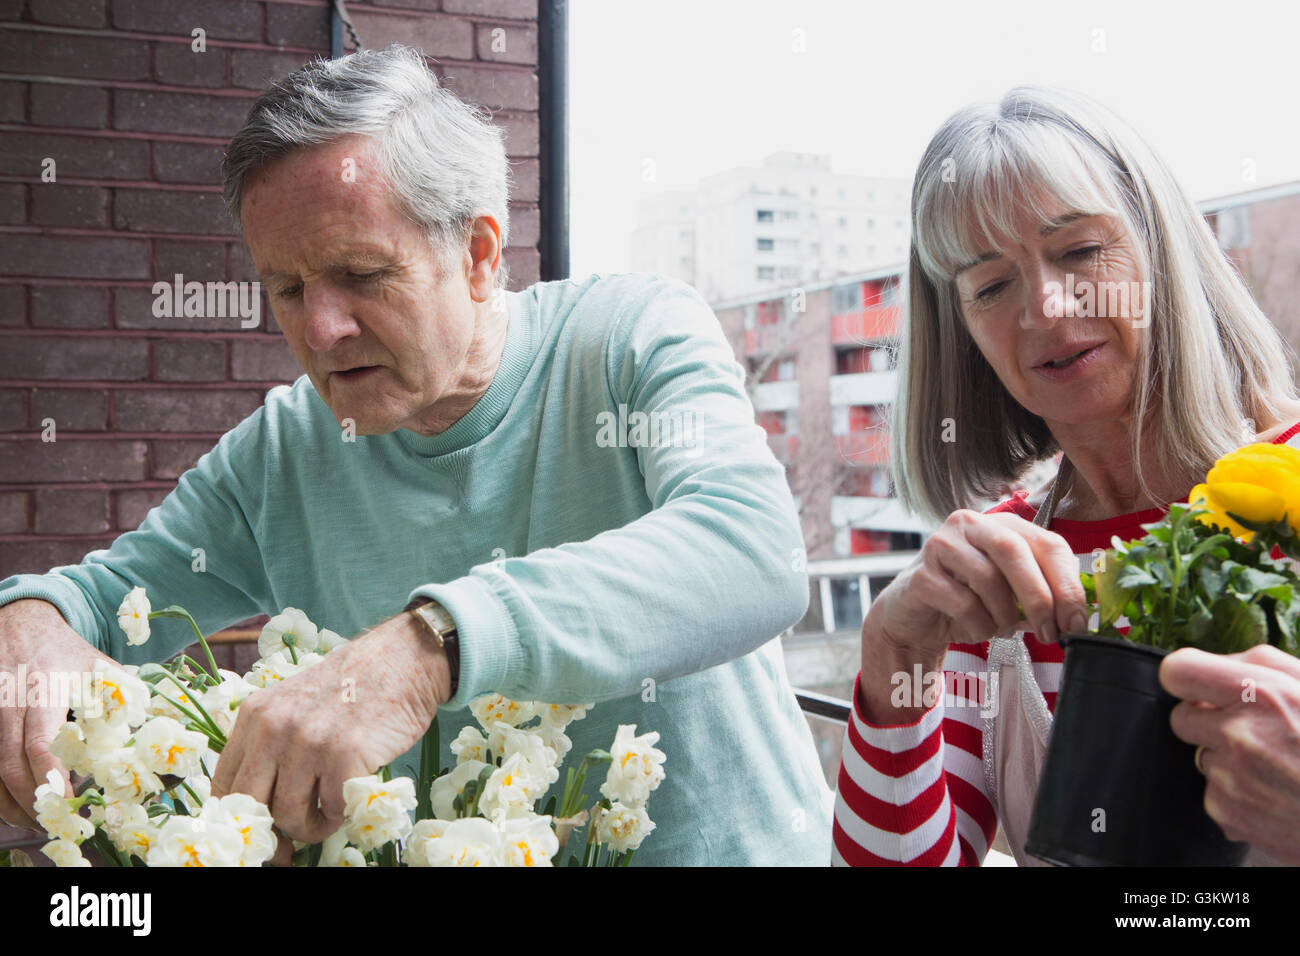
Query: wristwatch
443,627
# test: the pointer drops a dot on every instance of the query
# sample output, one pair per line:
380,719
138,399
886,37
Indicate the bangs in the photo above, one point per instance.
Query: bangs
998,170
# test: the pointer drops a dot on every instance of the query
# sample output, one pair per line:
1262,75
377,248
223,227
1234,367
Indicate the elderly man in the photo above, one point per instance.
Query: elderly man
570,476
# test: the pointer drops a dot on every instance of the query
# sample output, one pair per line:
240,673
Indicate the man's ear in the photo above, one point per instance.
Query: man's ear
485,257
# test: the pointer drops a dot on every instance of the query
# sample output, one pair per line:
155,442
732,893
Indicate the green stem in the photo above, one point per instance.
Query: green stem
197,801
177,611
429,755
217,738
197,706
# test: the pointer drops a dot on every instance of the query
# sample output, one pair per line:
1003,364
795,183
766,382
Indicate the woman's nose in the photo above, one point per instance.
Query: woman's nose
1049,295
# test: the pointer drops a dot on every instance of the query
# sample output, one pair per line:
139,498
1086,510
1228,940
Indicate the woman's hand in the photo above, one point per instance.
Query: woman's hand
971,574
964,589
1243,712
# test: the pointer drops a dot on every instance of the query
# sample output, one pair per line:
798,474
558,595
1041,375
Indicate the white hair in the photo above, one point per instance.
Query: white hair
444,160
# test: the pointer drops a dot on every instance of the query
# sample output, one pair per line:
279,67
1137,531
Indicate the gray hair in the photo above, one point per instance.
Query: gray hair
1210,360
443,159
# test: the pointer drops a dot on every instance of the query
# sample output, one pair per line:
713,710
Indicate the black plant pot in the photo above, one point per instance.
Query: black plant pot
1117,787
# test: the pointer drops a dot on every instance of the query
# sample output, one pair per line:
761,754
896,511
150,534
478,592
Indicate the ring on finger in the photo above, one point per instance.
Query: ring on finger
1200,752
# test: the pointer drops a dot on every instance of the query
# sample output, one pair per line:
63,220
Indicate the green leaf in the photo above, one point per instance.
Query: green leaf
1132,577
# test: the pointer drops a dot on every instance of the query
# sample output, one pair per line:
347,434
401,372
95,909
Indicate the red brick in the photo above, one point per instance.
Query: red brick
63,104
80,257
189,360
182,65
71,511
167,210
163,112
72,460
441,37
515,44
11,9
263,362
11,103
133,504
13,204
54,204
79,57
73,409
526,176
297,26
21,154
188,163
13,411
192,259
38,557
13,512
525,225
429,5
69,306
506,9
493,87
184,410
69,357
13,304
171,459
522,133
229,19
70,13
241,263
133,309
258,69
524,265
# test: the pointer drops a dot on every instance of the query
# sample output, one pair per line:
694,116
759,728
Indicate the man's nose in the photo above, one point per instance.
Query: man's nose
329,316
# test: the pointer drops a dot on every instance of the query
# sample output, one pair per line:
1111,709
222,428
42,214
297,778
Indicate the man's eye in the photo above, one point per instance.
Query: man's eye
366,276
290,292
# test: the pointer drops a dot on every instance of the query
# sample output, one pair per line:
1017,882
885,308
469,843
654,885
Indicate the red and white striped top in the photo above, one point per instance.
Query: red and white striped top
914,794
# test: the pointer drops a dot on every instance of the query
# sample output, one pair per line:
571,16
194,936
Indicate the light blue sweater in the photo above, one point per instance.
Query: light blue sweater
583,557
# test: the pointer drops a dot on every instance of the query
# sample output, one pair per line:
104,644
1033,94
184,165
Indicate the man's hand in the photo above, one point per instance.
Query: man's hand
1244,710
35,638
365,704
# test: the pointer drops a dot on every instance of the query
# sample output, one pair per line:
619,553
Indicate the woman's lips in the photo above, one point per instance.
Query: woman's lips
357,374
1072,371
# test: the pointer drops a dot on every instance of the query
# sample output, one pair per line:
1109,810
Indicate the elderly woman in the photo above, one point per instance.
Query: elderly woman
1064,297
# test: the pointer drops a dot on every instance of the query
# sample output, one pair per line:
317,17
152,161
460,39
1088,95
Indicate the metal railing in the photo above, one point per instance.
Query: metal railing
824,706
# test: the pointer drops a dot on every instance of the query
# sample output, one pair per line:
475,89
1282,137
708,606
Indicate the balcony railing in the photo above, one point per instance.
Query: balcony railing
865,325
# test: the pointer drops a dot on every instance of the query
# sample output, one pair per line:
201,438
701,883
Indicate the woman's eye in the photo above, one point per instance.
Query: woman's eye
989,291
1085,253
289,292
366,276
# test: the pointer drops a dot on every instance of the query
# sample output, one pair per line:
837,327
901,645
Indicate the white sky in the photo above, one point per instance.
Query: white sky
700,86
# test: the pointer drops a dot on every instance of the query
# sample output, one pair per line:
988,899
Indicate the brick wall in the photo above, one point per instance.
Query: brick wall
135,122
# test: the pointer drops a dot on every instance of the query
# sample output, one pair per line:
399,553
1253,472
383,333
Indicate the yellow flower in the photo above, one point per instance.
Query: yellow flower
1259,483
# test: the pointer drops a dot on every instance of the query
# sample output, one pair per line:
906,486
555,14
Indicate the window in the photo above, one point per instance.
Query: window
853,361
846,603
764,215
846,298
765,245
766,272
844,222
789,272
871,223
751,316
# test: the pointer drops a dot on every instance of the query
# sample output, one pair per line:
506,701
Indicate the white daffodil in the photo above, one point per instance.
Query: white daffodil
280,667
133,616
290,627
557,740
470,744
69,745
250,819
559,716
60,821
166,747
202,787
622,828
449,786
528,841
637,767
540,758
416,851
129,827
195,841
512,790
492,708
469,842
124,777
111,695
64,853
222,701
377,812
336,852
328,641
